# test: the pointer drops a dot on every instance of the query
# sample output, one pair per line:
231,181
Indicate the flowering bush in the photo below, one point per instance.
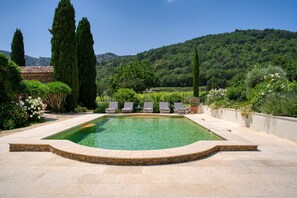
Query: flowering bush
216,95
33,106
273,85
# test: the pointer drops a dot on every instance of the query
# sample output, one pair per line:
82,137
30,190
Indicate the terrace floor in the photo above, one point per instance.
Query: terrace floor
270,172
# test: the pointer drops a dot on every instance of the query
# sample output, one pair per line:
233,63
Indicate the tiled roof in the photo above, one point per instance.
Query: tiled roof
37,69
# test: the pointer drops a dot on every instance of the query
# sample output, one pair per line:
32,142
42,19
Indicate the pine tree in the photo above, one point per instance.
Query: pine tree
64,50
17,49
86,64
196,66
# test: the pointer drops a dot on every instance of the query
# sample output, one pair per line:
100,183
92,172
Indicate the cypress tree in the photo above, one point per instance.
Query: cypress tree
64,50
86,64
17,49
196,66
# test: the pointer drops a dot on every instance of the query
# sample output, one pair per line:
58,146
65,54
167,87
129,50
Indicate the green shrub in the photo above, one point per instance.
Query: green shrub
10,80
236,93
280,104
203,97
101,107
12,116
79,109
56,93
257,75
35,88
125,95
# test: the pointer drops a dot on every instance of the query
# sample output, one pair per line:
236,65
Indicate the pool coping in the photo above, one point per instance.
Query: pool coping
33,140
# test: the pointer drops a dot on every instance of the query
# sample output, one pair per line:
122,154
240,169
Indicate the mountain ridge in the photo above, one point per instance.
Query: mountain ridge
45,61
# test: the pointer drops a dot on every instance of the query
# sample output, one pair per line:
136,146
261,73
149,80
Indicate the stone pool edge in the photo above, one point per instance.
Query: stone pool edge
70,150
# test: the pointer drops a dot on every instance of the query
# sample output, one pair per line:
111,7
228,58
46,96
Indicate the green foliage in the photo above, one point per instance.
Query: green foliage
216,83
35,88
289,65
125,95
135,75
203,97
196,65
17,49
102,88
56,94
101,106
221,56
236,93
64,50
86,64
79,109
10,80
280,105
12,116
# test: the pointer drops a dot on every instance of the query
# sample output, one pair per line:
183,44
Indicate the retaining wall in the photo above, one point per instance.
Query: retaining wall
284,127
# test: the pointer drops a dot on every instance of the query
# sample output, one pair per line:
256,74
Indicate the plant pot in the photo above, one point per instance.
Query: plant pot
247,121
194,109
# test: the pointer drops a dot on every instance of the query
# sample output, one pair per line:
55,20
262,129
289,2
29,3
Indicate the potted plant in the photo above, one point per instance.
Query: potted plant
246,112
194,102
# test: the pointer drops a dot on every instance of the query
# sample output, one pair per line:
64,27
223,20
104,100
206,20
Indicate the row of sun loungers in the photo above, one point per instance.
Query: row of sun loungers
147,107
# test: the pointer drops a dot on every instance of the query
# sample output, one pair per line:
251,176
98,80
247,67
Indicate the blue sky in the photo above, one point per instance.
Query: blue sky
127,27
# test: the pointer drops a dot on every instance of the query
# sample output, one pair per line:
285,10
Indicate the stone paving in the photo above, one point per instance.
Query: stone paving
270,172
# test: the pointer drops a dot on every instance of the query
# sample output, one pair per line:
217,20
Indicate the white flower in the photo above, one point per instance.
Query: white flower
39,108
28,108
38,117
31,116
263,94
30,97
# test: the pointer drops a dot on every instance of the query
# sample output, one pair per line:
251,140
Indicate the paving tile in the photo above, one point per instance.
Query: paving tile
117,189
70,189
142,179
100,179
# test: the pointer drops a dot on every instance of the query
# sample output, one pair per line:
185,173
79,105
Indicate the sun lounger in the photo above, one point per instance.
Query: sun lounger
164,108
148,107
179,108
113,107
128,107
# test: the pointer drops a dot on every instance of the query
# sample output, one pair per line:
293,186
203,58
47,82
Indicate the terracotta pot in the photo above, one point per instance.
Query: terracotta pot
194,109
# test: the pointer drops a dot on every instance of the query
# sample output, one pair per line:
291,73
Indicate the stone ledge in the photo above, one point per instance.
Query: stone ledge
97,159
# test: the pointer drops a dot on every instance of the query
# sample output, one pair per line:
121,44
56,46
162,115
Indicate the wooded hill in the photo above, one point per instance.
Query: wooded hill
222,57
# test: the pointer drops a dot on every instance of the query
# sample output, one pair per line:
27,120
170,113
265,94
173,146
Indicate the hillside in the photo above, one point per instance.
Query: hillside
222,56
32,61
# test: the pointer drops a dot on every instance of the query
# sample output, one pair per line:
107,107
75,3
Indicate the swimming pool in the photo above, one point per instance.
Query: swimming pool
137,133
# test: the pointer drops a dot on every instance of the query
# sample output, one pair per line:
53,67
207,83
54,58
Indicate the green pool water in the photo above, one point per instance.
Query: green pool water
137,133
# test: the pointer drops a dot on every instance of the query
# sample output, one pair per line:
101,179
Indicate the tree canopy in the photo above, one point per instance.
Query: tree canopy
17,49
86,64
135,75
64,50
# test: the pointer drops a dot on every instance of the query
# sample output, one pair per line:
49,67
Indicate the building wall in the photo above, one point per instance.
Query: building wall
42,77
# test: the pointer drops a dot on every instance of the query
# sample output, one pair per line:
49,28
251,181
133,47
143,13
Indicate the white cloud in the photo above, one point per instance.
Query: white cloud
170,1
